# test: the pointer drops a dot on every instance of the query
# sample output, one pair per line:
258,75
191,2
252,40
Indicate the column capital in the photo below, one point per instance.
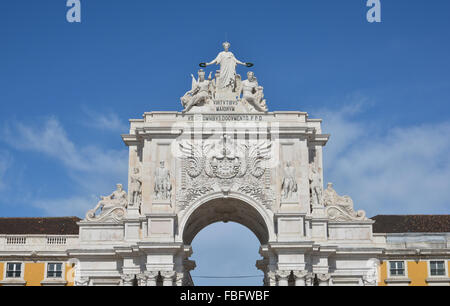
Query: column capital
272,278
168,274
283,277
309,279
283,274
151,277
300,278
82,281
151,274
323,278
168,277
179,277
127,279
300,274
142,279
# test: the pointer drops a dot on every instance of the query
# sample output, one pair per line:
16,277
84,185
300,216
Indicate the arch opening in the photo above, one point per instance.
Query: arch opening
225,255
225,210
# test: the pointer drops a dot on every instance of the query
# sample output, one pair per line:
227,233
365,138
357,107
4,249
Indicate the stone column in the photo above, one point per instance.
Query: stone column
283,278
127,279
309,279
151,278
324,279
300,278
168,277
141,279
272,279
179,277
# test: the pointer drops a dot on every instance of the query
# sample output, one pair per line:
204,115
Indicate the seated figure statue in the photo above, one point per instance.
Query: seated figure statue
252,93
118,199
330,198
345,203
201,92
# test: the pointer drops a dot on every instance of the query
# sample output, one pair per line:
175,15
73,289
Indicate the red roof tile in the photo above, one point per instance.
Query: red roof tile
411,224
39,226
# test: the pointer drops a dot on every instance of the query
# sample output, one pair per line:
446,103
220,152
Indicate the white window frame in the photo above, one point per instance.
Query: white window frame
397,280
55,281
63,272
445,268
405,265
5,273
15,281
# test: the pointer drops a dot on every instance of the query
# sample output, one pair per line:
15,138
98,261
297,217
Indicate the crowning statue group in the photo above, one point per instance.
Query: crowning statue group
226,85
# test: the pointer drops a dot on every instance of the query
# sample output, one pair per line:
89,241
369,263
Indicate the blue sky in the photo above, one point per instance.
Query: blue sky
382,89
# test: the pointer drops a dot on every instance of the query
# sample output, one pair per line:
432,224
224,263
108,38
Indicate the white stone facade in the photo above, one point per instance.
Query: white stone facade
236,174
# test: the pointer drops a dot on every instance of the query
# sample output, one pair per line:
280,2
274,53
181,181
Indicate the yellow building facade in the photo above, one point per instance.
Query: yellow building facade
417,273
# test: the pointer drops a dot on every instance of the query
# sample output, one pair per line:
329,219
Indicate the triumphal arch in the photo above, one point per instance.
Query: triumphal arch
225,157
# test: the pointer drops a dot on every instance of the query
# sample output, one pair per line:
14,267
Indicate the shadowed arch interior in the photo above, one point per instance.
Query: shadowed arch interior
225,210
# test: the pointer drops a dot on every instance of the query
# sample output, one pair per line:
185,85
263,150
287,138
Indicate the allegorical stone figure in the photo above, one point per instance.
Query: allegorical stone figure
163,187
117,199
228,63
252,93
200,93
330,197
340,207
289,185
136,187
316,186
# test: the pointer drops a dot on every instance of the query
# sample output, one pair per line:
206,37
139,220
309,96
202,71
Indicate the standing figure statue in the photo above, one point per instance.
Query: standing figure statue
289,185
316,186
201,92
163,187
136,187
228,63
252,93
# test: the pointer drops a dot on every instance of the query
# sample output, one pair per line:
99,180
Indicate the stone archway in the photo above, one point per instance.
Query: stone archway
236,208
224,158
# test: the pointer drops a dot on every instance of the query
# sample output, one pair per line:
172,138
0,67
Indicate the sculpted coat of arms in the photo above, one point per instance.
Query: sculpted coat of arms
225,165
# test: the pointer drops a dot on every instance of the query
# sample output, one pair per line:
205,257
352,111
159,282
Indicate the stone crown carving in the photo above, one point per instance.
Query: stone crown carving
225,165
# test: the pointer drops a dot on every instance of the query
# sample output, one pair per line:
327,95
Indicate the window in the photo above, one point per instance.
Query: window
54,270
397,268
13,270
437,268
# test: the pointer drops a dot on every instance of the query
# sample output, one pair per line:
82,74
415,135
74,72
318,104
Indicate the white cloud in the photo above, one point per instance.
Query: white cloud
5,163
72,206
51,139
108,121
402,170
94,170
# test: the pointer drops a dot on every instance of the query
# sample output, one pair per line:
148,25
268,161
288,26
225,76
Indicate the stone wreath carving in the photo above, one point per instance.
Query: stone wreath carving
340,208
225,165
